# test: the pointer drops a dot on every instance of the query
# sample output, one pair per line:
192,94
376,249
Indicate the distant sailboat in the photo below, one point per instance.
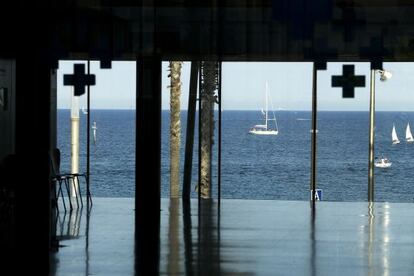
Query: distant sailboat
408,135
84,111
395,139
265,129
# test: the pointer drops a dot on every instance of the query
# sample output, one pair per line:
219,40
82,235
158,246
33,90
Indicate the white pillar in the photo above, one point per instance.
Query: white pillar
74,119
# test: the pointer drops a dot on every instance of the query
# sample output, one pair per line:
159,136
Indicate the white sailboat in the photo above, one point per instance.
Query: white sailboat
395,139
84,111
383,162
408,135
265,129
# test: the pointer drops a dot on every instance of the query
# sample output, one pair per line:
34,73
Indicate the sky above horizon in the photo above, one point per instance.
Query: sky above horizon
243,86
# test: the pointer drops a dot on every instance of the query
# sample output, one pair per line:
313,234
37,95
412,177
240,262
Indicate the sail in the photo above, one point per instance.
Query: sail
395,139
266,129
408,134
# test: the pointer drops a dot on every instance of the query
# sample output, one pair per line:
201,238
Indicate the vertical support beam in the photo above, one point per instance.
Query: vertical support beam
148,166
88,140
189,141
53,109
371,138
219,139
199,139
53,145
199,209
314,133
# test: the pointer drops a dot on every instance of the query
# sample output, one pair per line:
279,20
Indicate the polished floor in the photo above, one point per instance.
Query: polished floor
243,237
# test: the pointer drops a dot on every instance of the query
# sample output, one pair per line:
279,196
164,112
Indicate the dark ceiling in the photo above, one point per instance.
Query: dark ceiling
286,30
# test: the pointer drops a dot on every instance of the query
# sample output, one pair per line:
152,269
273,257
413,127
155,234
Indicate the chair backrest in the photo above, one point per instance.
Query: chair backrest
55,161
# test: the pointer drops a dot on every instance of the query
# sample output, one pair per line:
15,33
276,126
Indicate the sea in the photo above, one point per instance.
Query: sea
258,167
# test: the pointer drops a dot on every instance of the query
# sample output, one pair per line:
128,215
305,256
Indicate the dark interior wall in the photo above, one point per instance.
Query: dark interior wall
7,107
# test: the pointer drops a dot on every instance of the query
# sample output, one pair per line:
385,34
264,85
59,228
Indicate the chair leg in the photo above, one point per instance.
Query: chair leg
76,193
68,190
61,193
79,190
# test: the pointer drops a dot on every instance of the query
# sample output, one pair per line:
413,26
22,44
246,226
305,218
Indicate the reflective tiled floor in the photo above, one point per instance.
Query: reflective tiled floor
244,237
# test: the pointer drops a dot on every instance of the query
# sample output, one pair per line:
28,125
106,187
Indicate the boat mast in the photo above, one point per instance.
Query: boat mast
266,105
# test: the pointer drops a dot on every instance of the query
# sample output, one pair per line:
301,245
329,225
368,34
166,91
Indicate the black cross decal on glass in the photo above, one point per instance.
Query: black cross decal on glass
79,79
348,81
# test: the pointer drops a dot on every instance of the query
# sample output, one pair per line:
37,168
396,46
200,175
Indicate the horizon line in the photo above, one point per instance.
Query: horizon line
258,110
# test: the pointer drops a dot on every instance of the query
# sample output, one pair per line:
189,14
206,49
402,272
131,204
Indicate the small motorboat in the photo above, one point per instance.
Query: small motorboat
383,163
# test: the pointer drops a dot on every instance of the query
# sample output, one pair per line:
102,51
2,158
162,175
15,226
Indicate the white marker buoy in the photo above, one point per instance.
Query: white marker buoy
94,128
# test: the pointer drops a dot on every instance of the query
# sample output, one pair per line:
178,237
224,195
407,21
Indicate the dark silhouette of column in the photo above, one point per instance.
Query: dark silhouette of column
189,141
33,214
148,166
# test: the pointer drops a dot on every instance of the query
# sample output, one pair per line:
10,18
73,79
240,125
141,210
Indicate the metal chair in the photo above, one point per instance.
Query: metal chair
66,177
58,179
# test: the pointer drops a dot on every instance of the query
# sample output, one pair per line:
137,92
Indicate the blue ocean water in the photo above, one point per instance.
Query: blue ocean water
260,167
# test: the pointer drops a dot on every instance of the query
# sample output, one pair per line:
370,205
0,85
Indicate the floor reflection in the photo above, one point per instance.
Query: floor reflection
312,242
378,240
188,238
173,237
208,246
68,224
243,237
201,248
